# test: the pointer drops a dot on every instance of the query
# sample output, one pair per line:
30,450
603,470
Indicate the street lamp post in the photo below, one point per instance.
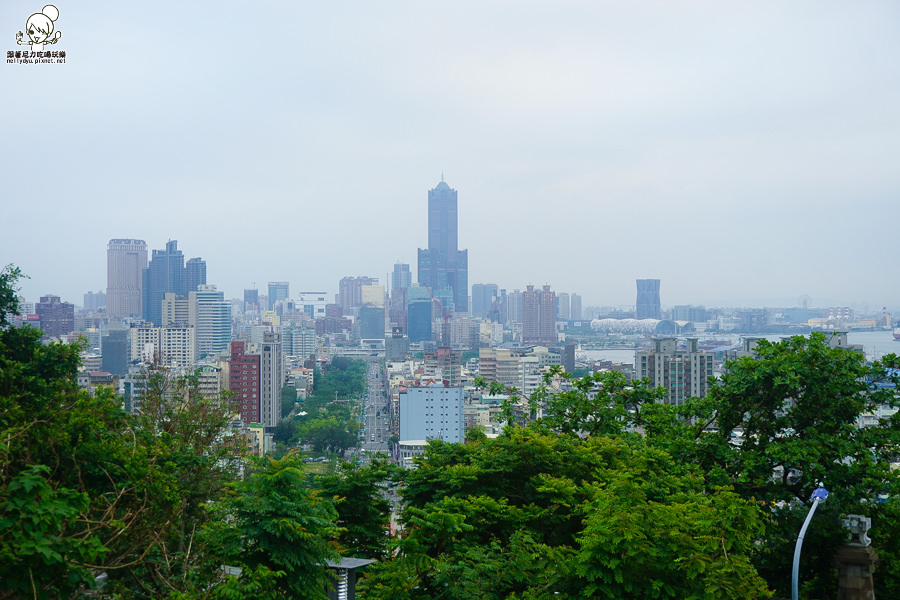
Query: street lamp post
819,495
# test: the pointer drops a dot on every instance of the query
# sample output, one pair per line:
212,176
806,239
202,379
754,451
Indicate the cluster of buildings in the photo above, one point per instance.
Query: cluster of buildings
159,310
435,331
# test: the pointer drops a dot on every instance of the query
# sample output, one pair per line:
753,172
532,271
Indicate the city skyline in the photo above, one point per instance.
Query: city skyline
335,295
743,155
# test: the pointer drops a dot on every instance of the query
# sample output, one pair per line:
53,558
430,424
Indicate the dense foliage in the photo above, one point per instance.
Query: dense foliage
595,489
328,422
148,505
534,513
613,493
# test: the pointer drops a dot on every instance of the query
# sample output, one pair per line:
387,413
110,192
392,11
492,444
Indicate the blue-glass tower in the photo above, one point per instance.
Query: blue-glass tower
443,265
647,305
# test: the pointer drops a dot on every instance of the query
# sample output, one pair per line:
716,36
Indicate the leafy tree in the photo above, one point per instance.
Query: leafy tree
797,408
288,400
286,431
36,554
196,459
345,377
271,524
363,512
9,301
481,517
329,434
75,465
773,428
86,488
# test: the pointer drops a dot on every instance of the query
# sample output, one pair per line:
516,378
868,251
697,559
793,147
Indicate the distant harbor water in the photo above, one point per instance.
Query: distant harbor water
875,343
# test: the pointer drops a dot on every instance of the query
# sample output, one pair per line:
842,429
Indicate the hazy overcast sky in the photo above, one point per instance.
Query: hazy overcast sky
745,153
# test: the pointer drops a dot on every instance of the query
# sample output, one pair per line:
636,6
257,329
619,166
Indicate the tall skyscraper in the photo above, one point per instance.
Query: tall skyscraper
539,316
165,273
211,318
514,307
400,282
194,274
251,299
647,305
564,306
125,261
576,307
443,265
419,314
278,290
483,297
402,278
94,301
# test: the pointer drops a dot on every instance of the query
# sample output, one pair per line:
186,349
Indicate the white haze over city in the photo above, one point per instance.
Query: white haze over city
743,153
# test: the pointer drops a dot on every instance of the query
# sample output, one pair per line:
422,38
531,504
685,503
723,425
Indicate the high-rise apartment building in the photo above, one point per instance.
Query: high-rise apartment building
278,290
173,346
498,364
176,311
211,316
125,261
244,382
576,307
443,265
647,305
350,293
57,318
539,316
684,372
299,339
563,306
271,377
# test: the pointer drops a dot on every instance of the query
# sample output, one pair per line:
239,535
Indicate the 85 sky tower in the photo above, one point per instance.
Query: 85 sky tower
443,265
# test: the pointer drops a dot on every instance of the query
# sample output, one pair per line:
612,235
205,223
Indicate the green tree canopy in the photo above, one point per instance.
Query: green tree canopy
478,514
272,521
363,512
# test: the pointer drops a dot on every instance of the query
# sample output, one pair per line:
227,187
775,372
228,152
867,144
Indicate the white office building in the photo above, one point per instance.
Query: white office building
433,412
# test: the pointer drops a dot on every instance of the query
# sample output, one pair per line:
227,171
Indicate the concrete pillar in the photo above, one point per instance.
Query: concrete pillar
855,566
856,561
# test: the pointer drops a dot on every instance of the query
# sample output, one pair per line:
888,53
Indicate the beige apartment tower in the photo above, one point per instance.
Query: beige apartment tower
125,259
682,370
